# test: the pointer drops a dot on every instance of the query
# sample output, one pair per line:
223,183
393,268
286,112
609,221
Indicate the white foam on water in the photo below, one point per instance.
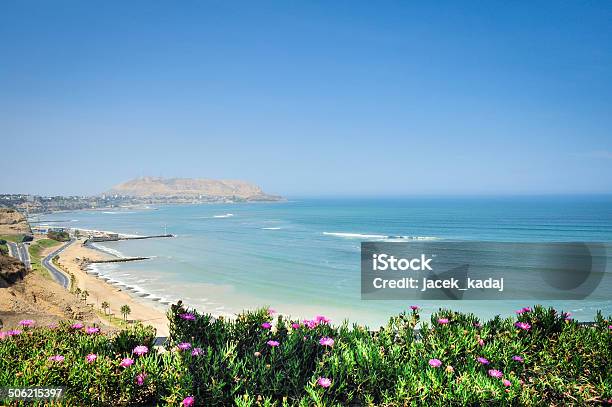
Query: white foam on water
275,228
227,215
378,237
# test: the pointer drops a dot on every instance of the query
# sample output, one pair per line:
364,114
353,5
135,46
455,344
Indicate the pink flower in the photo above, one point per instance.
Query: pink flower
266,325
57,358
523,310
414,307
126,362
77,325
326,341
495,373
52,326
188,316
273,343
477,325
91,358
518,359
435,362
295,325
184,346
322,319
188,401
13,332
26,323
271,311
324,382
196,352
523,325
140,379
90,330
481,342
482,361
507,382
443,321
140,350
610,327
310,323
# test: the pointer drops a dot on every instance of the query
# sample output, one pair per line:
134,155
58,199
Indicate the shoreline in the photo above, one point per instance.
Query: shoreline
74,260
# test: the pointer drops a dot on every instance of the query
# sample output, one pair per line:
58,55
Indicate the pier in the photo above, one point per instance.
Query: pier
115,238
121,260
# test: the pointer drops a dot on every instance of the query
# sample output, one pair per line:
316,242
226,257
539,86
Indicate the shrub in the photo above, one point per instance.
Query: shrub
541,357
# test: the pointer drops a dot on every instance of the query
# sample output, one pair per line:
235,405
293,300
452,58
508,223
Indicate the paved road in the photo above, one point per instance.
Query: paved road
47,262
20,251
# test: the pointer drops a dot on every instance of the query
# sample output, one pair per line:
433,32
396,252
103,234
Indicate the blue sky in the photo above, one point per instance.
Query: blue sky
308,98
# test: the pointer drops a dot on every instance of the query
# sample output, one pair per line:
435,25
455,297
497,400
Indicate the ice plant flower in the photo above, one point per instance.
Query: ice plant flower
414,307
140,379
443,321
435,362
90,330
271,311
26,323
481,342
495,373
52,326
196,352
324,382
507,382
184,346
13,332
188,316
295,325
477,325
266,325
126,362
523,310
77,325
610,327
321,319
91,358
518,359
326,341
57,358
310,323
482,361
273,343
523,325
188,401
140,350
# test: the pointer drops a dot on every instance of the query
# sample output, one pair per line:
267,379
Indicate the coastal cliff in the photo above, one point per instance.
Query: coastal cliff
196,188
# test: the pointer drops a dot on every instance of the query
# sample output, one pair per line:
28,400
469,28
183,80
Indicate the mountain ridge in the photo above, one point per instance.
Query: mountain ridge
159,187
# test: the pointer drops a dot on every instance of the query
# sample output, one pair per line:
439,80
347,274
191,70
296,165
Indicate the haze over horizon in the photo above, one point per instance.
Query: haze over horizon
308,99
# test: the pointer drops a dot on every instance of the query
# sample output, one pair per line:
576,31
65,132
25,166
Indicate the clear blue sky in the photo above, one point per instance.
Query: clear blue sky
308,98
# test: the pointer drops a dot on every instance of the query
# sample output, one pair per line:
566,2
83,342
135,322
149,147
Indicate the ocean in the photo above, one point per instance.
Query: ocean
302,257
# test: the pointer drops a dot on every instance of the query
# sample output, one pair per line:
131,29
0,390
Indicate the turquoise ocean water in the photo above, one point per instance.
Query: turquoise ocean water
302,257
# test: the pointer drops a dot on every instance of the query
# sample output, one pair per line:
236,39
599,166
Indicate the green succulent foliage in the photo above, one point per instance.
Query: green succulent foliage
230,361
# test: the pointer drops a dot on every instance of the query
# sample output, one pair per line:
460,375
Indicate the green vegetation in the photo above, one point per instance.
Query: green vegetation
58,236
12,238
35,250
3,247
542,357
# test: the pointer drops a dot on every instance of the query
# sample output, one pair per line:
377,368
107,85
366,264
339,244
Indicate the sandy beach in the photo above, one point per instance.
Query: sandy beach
72,261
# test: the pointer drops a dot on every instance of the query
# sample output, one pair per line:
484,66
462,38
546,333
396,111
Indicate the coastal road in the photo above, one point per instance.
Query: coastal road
20,251
59,276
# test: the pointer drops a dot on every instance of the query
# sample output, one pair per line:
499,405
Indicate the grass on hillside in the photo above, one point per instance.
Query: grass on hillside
36,248
12,238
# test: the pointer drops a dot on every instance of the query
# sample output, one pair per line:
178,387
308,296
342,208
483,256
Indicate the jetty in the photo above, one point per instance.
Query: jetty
113,237
120,260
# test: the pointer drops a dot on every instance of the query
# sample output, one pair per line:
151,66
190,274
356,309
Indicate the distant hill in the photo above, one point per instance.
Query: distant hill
13,222
152,187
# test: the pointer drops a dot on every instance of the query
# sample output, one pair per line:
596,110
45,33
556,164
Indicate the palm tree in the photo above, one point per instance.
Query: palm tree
105,306
125,311
85,294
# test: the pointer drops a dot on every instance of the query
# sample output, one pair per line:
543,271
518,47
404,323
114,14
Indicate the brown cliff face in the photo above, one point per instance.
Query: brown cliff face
11,271
13,223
